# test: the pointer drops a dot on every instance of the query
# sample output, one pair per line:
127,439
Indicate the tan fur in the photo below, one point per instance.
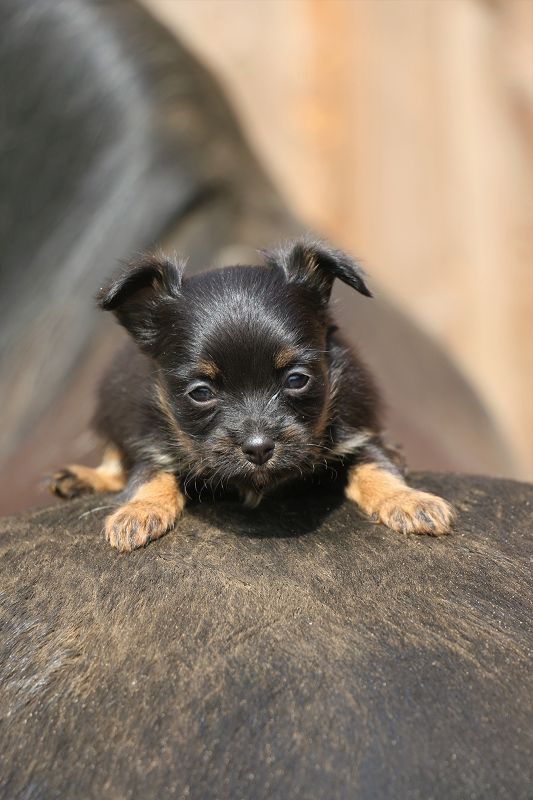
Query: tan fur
325,414
164,405
150,513
311,266
284,357
77,479
208,368
387,498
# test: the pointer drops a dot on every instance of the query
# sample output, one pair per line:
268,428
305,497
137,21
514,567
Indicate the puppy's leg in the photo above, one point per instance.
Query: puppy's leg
150,512
376,485
76,479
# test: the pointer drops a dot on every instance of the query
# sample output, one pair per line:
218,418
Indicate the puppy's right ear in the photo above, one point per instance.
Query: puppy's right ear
138,294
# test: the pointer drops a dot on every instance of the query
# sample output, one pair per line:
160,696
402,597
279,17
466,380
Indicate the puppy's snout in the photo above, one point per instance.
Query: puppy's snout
258,449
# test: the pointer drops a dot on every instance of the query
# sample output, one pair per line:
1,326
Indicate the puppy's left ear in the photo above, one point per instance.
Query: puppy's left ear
317,265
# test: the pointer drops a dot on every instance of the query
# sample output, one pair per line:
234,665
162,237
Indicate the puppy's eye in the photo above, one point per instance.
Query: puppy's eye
296,381
201,394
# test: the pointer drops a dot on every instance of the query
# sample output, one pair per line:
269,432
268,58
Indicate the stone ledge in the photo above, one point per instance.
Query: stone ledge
294,651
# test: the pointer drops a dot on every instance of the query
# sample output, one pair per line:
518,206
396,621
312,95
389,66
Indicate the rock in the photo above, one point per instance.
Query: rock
294,651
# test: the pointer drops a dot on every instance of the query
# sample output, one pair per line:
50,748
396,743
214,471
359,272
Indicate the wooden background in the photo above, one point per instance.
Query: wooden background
403,129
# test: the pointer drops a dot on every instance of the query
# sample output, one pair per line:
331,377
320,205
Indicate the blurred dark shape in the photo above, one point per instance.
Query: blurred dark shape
295,651
114,138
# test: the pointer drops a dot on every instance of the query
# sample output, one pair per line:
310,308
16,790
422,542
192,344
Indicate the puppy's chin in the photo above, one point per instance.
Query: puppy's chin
257,478
269,476
262,477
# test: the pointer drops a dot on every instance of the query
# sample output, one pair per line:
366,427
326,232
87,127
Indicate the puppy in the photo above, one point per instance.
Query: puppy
238,378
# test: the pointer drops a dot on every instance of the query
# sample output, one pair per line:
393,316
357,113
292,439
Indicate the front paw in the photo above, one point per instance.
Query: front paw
411,511
65,483
136,524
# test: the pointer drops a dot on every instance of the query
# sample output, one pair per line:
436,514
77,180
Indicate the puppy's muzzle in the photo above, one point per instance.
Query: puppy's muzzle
258,449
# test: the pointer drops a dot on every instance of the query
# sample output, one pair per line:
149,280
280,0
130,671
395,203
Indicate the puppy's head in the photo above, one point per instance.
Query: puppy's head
242,355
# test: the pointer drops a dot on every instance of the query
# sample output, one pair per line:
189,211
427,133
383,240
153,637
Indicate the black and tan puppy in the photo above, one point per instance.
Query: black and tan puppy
238,378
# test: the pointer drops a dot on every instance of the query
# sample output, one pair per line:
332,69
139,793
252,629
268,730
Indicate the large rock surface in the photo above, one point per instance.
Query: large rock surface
295,651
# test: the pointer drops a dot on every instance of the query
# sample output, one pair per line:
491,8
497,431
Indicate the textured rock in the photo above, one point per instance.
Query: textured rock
295,651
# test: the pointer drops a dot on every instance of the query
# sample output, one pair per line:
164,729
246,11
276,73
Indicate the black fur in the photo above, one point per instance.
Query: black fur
318,265
237,320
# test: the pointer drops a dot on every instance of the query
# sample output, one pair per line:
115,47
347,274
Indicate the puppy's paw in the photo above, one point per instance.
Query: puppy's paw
65,483
411,511
136,524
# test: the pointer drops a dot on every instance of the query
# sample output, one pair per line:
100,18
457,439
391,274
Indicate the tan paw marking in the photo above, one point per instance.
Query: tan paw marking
66,484
386,498
151,512
136,524
411,511
77,479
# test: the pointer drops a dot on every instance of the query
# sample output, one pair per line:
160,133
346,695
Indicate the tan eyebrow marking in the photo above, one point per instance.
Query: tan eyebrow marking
208,368
284,357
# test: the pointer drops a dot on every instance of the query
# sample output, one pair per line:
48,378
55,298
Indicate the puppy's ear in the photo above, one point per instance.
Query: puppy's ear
317,265
138,294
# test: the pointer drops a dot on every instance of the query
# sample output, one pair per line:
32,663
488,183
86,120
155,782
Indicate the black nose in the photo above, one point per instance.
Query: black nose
258,449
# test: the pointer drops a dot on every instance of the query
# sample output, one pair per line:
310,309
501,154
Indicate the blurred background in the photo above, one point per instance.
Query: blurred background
402,130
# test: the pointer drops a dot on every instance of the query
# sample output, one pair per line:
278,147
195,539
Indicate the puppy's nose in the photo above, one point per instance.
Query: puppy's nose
258,449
